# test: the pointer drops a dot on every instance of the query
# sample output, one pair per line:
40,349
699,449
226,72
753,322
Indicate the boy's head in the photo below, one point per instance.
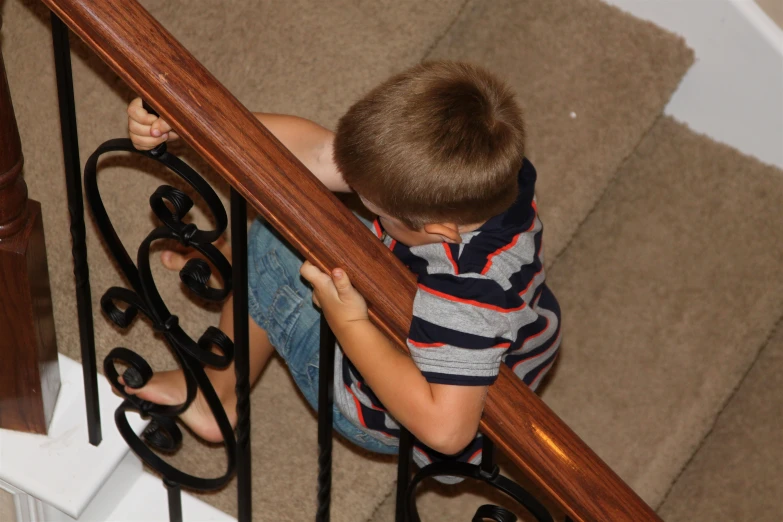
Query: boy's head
439,143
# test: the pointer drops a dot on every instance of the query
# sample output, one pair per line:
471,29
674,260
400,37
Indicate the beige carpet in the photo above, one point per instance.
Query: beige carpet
736,474
773,9
612,71
669,291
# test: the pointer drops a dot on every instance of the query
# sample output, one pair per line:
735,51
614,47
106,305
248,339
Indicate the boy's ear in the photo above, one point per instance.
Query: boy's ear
448,231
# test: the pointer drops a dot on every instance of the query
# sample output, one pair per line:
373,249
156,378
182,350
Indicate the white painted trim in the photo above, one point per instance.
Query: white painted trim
762,22
733,93
62,469
26,508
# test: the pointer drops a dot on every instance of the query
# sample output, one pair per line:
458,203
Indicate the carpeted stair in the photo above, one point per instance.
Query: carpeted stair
662,245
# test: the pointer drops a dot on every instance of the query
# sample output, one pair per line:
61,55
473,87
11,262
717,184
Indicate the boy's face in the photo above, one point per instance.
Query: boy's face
399,231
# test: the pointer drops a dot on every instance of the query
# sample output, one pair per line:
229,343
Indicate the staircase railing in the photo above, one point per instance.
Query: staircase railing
262,172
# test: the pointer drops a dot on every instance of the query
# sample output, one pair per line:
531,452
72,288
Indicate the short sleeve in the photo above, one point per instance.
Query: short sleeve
462,326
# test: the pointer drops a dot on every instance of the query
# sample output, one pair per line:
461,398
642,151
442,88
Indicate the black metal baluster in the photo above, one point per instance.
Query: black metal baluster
175,500
487,455
73,177
325,397
241,354
403,473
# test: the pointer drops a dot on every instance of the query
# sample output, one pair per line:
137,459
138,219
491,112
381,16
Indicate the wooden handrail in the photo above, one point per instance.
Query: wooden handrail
275,183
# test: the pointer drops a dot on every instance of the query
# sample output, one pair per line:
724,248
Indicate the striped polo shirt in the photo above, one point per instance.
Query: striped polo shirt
479,303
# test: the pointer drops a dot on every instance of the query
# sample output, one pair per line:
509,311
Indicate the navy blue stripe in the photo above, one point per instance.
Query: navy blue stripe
371,395
500,230
548,300
519,280
458,380
426,332
513,358
485,291
529,330
376,420
533,374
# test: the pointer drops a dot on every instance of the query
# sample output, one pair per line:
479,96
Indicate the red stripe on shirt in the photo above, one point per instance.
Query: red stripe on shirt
475,454
539,334
532,280
499,251
358,405
543,371
471,301
545,352
377,226
425,345
513,242
451,258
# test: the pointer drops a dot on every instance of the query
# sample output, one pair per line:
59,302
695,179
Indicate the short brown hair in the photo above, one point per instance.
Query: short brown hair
442,141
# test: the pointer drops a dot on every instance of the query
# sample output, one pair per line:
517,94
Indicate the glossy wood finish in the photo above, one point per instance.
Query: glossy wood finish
29,374
226,134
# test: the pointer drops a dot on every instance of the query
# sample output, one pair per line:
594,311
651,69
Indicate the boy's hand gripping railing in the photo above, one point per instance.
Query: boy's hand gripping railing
242,151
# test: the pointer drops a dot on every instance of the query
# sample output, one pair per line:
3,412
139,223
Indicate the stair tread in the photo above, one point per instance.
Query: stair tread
736,475
668,291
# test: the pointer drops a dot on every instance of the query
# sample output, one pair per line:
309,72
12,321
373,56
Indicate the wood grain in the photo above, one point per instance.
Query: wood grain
29,373
241,150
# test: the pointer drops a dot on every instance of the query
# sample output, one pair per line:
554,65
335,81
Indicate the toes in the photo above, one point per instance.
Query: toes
173,260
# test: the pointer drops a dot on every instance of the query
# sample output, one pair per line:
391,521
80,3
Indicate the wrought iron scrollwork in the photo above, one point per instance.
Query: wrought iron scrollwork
495,479
486,472
122,306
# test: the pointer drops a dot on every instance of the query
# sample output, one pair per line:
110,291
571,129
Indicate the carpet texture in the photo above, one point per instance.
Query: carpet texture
735,475
669,291
612,71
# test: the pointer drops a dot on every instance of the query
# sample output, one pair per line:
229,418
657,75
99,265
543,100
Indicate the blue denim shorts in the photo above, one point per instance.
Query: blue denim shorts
281,302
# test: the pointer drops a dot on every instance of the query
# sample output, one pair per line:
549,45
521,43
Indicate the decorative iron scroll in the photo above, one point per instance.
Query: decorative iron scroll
122,305
493,478
487,472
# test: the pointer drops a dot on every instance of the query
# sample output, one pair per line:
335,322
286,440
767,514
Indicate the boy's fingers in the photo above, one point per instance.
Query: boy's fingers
145,142
341,281
312,273
139,129
160,127
137,113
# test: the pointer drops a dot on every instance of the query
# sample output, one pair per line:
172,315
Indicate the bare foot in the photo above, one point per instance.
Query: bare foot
168,389
176,259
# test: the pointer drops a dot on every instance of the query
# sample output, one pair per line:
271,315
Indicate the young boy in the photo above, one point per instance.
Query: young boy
437,153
